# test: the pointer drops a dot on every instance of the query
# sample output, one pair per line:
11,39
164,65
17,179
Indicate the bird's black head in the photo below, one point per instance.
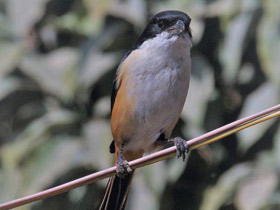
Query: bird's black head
172,21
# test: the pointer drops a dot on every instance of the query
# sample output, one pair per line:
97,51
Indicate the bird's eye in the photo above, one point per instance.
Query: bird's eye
161,24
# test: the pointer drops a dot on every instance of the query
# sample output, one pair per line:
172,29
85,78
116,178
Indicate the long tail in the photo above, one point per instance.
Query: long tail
116,193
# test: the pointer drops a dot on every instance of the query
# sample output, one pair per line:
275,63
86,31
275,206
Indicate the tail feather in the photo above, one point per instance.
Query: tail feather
116,193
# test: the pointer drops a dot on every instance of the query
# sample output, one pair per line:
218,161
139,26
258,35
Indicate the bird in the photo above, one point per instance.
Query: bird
148,95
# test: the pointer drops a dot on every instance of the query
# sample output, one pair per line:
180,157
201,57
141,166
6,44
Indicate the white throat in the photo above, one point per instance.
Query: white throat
163,41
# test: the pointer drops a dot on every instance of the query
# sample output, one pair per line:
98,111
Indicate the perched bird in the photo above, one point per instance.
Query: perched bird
148,96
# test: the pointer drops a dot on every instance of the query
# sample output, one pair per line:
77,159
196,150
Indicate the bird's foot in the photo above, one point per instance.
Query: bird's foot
123,168
182,147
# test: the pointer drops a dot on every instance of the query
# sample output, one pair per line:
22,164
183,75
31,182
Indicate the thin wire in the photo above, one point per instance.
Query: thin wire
242,127
195,143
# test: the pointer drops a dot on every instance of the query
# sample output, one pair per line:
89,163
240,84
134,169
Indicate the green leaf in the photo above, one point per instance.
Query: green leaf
256,190
264,97
96,65
200,91
22,22
22,150
10,54
97,139
214,197
268,44
231,50
7,86
55,73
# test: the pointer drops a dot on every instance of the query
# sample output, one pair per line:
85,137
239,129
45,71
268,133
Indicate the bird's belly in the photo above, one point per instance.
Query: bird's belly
160,99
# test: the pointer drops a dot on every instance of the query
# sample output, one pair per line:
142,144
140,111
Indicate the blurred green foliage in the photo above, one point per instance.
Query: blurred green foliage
57,63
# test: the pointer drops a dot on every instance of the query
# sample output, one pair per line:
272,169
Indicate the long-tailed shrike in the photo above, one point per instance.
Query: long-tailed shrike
148,95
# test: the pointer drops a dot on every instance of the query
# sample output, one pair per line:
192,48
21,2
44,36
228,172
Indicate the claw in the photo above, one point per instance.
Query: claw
123,169
181,147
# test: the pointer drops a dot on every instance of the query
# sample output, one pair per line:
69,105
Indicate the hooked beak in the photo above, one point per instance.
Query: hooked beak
177,29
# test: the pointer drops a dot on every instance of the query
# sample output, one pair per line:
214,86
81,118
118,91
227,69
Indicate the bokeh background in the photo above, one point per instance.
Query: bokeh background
57,64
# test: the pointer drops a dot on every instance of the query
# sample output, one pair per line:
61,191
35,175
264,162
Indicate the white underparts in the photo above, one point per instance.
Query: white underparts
159,79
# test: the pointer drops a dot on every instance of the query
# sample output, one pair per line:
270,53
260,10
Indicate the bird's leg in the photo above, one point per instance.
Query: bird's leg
181,145
123,167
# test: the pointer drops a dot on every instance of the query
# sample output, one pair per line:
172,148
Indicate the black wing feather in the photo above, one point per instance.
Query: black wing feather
113,94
